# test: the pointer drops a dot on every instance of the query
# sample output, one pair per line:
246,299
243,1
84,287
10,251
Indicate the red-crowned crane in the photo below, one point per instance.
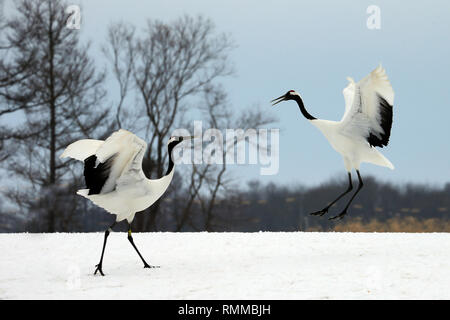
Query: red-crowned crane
115,180
366,124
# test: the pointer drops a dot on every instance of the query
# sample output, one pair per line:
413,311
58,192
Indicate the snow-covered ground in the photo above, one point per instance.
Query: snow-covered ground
227,266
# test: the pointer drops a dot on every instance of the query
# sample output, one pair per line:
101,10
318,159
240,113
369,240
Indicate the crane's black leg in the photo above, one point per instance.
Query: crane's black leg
130,238
325,210
344,212
99,265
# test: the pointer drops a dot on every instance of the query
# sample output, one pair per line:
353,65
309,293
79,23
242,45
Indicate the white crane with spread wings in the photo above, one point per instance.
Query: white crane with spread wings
115,180
366,124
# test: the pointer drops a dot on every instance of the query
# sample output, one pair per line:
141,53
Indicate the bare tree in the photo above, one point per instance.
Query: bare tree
210,183
163,70
52,88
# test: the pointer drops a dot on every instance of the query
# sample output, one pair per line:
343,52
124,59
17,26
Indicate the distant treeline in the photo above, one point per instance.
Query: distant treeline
379,204
380,207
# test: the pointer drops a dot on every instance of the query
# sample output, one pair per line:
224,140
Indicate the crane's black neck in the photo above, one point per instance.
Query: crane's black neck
302,108
169,150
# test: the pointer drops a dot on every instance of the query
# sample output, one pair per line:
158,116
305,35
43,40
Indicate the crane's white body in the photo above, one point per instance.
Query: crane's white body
353,151
349,136
127,190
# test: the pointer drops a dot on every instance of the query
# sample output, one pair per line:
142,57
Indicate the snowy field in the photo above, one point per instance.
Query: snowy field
227,266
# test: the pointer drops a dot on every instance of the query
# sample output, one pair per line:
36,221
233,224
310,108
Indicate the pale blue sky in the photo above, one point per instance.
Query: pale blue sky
311,47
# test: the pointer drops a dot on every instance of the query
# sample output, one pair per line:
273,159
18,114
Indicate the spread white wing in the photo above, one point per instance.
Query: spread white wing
81,149
349,93
126,186
128,151
368,108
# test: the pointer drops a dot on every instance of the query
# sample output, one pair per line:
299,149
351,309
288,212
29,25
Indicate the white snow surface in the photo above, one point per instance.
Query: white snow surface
261,265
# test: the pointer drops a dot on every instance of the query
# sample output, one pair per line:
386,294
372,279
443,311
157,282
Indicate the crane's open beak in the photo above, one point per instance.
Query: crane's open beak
278,100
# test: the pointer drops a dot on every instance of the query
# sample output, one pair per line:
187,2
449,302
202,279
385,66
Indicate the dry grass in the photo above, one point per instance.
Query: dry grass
404,224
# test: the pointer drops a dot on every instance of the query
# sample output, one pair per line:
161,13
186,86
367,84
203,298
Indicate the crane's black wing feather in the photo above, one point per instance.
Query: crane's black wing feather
96,177
376,139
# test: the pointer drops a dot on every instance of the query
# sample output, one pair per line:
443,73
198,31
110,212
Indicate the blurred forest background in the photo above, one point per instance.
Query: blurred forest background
52,93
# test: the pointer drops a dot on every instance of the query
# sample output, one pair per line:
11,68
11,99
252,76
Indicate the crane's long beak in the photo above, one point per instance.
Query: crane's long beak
189,137
278,100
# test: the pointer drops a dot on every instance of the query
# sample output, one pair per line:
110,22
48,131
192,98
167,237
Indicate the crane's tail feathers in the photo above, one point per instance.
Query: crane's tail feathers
389,165
376,157
81,149
111,202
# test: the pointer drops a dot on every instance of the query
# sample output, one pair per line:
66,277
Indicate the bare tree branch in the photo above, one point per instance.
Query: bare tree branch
48,77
